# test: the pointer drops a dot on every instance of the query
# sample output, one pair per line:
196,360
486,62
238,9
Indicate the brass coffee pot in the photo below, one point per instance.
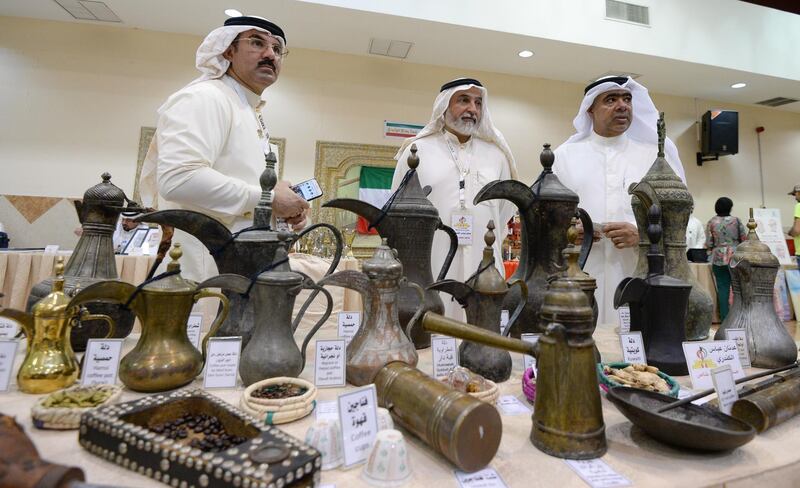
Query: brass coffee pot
93,261
163,358
482,296
50,362
753,271
272,351
244,252
546,209
380,340
567,416
408,222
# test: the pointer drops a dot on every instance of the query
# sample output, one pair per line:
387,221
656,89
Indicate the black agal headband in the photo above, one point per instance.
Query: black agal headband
619,80
258,22
459,82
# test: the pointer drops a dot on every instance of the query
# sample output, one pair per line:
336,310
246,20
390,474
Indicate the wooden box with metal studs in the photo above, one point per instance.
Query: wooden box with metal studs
189,438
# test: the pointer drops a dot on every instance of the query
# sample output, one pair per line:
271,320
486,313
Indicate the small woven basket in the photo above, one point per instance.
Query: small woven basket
489,395
529,385
68,418
279,410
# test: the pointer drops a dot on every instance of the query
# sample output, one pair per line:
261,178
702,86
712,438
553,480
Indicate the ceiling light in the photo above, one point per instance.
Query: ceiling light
525,54
232,12
739,85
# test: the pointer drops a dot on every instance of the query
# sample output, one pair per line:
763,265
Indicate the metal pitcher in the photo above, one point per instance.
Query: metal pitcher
272,351
482,296
380,339
163,358
50,362
408,224
753,272
93,261
244,252
658,305
567,416
664,188
546,209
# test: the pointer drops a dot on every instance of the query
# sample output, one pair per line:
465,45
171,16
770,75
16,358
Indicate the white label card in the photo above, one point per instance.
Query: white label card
327,485
327,410
633,348
503,321
725,387
8,352
445,355
461,222
597,473
358,417
624,313
485,478
101,362
702,357
740,337
222,362
530,361
349,322
8,328
329,365
51,249
193,327
510,405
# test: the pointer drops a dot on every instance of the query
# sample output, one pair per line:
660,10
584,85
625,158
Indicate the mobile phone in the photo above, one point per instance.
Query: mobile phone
308,189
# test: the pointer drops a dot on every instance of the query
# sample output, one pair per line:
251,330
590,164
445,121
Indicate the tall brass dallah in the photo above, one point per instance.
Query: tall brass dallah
409,223
661,186
380,340
93,261
482,296
753,272
163,358
546,209
50,362
567,416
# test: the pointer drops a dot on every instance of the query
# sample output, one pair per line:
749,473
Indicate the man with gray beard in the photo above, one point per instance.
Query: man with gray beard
460,151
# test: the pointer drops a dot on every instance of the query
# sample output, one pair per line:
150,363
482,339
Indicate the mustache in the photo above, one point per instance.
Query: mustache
266,62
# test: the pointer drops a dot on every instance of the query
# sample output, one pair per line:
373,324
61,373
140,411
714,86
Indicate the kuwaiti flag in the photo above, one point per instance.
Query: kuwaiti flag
374,187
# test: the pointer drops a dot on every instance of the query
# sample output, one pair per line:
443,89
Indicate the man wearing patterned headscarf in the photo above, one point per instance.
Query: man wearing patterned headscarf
460,151
208,151
615,145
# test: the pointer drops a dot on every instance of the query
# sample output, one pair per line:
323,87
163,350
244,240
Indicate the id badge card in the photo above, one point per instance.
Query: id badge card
461,221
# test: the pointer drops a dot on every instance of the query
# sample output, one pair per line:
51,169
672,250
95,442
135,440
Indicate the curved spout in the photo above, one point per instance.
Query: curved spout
512,190
630,290
24,318
355,280
364,209
211,232
459,290
228,281
108,291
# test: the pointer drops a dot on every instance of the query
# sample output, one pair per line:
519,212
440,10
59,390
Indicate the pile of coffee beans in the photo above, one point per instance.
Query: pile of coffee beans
281,390
200,431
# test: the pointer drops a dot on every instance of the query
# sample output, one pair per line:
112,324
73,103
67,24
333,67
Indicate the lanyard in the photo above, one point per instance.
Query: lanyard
462,173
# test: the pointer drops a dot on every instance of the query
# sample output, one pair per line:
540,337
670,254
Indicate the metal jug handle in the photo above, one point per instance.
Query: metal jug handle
221,315
308,283
588,230
451,253
404,282
334,263
85,315
523,290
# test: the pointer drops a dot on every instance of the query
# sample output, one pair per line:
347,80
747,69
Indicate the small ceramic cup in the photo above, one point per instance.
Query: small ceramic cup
384,419
326,437
387,465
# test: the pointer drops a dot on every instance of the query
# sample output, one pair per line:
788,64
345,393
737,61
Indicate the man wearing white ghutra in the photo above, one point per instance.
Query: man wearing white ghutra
460,151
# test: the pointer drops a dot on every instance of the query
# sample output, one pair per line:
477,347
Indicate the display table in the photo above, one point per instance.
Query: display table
770,458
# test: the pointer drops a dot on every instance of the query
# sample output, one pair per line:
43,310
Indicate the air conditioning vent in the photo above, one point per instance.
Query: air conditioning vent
89,10
777,101
391,48
627,12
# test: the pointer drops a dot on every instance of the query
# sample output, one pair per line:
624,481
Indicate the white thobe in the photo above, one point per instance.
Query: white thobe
600,170
484,163
208,157
695,234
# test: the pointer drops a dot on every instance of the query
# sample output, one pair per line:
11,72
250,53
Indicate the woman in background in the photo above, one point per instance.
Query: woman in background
723,233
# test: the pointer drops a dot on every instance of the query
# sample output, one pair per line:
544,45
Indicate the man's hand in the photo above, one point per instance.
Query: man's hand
595,234
622,234
299,223
288,205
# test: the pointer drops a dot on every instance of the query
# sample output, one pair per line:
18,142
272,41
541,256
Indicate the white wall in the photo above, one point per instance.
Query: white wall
73,97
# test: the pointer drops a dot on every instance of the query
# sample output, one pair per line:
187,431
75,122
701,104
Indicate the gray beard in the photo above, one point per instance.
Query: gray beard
458,125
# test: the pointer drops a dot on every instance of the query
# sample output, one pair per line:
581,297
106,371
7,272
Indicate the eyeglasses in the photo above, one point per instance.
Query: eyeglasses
261,45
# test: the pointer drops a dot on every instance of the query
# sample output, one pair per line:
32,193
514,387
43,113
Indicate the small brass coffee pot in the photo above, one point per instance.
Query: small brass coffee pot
482,296
163,358
272,351
380,340
50,362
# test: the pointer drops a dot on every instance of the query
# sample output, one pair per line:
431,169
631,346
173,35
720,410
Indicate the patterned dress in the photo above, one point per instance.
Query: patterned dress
723,234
